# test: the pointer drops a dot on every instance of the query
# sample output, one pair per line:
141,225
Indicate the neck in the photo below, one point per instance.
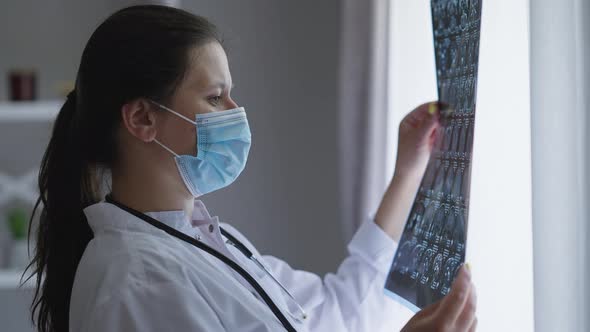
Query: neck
150,191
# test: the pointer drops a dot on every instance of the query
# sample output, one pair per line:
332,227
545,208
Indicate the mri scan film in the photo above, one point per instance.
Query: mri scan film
432,246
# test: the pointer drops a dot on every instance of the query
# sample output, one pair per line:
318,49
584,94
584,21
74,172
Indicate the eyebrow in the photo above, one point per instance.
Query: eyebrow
222,85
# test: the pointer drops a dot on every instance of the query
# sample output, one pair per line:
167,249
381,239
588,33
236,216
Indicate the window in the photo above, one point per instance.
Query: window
499,244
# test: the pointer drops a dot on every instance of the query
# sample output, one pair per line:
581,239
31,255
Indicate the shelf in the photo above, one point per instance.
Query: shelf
10,279
29,111
22,187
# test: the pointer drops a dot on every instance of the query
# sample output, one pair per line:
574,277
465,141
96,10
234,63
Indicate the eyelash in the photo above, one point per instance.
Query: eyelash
215,100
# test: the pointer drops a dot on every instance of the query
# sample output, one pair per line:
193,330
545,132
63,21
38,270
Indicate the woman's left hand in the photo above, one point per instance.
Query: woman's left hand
417,133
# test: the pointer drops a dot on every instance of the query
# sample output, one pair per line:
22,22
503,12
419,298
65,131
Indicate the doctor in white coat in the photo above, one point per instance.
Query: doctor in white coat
152,105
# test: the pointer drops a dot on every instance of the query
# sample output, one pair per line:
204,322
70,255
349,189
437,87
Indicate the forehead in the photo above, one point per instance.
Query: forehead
208,66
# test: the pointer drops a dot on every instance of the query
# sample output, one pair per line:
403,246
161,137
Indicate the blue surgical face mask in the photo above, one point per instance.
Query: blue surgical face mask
223,143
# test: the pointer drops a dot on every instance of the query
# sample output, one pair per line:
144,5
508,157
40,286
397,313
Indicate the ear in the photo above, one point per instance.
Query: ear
139,119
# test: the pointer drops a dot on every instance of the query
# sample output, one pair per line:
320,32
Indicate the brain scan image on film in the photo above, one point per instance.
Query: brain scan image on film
432,246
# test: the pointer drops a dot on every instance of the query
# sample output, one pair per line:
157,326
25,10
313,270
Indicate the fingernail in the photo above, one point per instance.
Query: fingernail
468,270
432,108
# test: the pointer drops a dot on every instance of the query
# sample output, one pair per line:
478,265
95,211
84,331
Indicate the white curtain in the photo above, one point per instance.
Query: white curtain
363,109
560,64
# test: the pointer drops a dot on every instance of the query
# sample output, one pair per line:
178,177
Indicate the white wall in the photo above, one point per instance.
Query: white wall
499,244
283,57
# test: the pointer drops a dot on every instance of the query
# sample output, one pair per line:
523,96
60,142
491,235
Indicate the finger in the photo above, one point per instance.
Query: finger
473,325
435,108
433,136
452,304
467,316
425,121
417,116
428,128
445,110
429,310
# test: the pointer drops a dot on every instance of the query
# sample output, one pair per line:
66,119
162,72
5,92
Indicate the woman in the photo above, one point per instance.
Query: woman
152,107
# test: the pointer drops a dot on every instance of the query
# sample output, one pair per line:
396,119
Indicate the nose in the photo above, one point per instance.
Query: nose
231,104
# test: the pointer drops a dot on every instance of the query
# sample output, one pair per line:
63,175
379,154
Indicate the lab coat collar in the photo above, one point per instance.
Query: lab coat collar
174,219
104,215
178,220
201,216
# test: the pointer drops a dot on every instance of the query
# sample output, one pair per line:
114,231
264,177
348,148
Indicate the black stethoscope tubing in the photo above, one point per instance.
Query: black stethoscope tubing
182,236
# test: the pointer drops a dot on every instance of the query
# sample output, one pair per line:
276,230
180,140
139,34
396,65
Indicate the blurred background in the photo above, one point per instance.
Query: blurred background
326,84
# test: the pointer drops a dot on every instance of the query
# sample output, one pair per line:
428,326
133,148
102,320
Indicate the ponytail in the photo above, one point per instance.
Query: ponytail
66,188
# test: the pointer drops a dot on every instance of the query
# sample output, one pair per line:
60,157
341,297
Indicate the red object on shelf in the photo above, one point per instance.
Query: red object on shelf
22,84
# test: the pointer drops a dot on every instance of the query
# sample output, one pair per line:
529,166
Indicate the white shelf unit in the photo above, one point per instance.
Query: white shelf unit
29,111
18,112
11,113
10,279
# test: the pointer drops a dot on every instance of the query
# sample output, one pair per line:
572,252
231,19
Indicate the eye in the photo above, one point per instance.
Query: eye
215,100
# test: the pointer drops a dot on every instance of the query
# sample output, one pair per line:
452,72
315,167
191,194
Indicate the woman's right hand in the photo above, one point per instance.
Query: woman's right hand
453,313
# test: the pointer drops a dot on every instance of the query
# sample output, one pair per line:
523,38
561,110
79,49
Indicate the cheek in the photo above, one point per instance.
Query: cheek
182,138
187,140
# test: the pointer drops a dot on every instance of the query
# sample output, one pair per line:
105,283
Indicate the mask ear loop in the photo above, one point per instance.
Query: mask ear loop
166,148
173,112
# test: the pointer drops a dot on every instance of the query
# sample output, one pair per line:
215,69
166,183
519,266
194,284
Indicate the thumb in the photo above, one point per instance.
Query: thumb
452,304
427,122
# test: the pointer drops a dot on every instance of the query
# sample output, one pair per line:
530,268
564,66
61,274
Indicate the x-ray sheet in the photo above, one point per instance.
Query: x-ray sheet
432,246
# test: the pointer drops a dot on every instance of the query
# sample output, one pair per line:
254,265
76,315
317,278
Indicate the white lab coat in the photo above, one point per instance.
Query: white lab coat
135,277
